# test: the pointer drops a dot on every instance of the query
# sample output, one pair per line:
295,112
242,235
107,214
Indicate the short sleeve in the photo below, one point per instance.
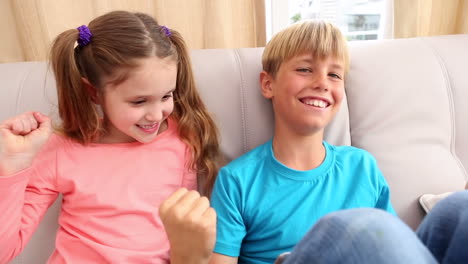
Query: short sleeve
384,200
226,200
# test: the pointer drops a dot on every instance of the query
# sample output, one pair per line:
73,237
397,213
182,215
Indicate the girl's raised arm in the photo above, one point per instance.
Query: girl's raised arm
21,138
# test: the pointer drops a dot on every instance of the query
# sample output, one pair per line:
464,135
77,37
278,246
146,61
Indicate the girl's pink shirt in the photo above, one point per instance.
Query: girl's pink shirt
110,199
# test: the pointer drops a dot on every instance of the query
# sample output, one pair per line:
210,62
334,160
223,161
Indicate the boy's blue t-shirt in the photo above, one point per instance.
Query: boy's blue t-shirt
265,208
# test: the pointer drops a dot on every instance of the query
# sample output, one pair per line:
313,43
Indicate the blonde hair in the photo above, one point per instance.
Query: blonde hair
319,38
119,39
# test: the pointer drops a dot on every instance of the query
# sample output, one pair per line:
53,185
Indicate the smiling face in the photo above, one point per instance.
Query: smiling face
136,109
306,92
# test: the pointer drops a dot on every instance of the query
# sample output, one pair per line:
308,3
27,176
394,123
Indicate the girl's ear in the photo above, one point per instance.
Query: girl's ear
91,90
265,84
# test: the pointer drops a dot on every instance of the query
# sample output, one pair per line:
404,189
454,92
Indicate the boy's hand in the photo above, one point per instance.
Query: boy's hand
190,225
21,138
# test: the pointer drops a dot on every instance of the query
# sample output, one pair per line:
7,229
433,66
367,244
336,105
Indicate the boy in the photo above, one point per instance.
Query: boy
267,199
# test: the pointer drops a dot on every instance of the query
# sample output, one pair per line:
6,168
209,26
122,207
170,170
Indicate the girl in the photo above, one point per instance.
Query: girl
113,169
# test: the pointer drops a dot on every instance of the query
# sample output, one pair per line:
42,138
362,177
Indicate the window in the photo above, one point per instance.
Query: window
357,19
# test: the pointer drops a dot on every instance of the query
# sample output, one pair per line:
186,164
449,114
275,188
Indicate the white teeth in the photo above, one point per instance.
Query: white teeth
148,126
316,103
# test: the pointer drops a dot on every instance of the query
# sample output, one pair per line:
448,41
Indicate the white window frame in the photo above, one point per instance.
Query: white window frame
277,18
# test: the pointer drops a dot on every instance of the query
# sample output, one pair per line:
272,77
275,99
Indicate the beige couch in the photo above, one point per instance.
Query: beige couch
406,104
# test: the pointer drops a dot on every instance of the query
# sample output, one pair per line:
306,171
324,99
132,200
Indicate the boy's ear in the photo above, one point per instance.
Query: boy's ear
91,90
265,84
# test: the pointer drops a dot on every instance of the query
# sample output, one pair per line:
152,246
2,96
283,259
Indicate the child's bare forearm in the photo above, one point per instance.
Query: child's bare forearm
190,225
21,138
188,260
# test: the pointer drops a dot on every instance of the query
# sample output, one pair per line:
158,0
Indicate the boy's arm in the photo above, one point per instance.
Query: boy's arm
384,202
227,200
222,259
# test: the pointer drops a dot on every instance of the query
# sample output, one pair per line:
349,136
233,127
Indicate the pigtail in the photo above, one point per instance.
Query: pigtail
196,127
79,115
116,41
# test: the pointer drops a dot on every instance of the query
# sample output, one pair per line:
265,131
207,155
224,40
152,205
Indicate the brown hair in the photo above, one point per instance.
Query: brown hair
319,38
119,38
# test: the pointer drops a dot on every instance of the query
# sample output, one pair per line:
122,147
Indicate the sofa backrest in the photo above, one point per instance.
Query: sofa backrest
405,105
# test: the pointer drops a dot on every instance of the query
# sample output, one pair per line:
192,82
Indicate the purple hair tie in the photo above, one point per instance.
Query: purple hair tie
85,36
167,31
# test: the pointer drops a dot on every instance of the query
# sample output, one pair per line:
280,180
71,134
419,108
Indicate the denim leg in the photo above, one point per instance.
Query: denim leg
362,235
444,230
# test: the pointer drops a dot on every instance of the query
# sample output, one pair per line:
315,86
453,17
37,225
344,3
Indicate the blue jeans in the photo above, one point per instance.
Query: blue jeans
444,231
368,235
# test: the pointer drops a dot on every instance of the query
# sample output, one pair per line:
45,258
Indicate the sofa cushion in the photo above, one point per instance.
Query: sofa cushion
402,110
